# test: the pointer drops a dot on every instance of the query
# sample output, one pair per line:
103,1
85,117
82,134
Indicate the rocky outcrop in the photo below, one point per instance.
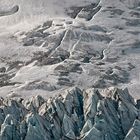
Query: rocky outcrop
10,11
77,114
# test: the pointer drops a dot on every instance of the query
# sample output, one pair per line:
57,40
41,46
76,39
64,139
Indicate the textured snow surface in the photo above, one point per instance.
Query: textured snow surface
47,46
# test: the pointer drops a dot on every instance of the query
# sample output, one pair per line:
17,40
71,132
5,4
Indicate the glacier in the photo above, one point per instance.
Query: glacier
69,69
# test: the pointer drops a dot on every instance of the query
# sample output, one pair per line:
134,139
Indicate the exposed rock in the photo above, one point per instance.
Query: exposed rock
2,70
9,11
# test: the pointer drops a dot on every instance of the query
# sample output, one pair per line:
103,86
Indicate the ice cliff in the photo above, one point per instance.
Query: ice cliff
73,115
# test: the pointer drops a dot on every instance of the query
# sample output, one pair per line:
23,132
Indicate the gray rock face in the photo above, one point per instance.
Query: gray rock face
77,114
10,11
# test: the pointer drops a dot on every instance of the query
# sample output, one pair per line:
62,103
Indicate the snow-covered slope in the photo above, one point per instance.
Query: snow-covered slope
47,46
39,10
